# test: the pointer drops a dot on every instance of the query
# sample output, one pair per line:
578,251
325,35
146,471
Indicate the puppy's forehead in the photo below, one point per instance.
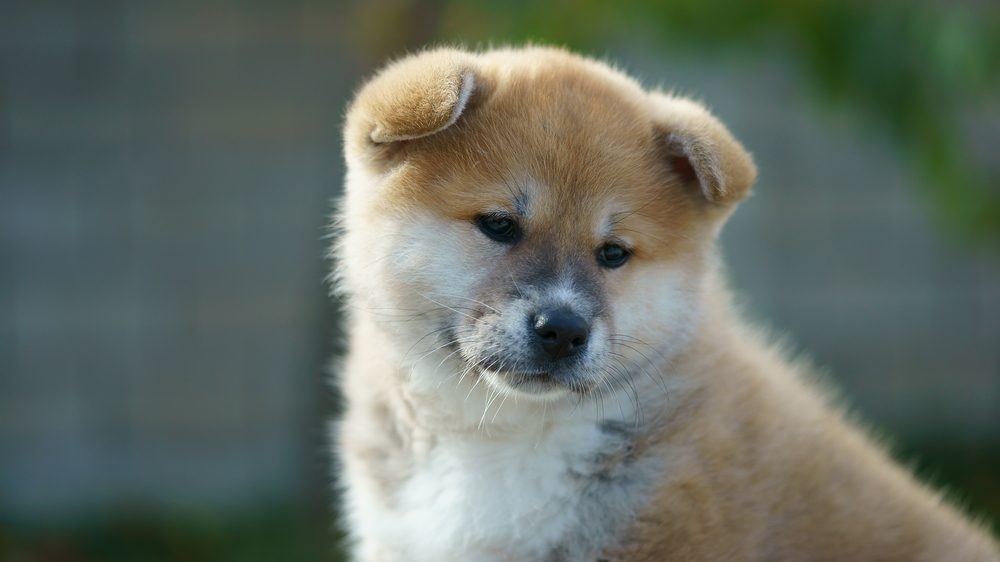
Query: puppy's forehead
573,150
571,130
559,139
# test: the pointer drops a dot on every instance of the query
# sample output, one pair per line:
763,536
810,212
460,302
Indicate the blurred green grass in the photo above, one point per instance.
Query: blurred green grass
292,534
265,534
958,468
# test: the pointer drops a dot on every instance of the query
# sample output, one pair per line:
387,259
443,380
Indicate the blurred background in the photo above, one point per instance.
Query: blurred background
167,169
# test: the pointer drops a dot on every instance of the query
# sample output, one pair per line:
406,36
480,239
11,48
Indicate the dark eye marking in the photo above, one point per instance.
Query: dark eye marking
500,227
612,255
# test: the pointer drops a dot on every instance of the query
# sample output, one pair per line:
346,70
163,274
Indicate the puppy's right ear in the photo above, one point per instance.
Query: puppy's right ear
702,151
415,97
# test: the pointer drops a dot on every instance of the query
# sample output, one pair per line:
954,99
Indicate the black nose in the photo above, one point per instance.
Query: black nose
561,333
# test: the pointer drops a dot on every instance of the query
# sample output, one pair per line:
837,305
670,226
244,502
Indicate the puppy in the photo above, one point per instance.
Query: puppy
543,361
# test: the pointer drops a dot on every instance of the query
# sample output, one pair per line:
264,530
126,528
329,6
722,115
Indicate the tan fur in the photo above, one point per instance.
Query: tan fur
758,464
763,468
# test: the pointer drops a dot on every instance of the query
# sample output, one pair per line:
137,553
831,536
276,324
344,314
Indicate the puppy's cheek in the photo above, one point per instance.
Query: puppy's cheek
435,259
663,287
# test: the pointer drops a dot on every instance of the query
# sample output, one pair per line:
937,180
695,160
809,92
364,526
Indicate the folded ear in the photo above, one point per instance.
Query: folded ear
417,96
701,150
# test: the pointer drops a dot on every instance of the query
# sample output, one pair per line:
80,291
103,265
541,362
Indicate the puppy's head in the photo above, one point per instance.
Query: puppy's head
531,217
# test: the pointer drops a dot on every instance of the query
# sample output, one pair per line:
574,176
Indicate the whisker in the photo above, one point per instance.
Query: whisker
541,427
468,299
656,380
446,344
506,394
617,338
604,379
449,307
422,338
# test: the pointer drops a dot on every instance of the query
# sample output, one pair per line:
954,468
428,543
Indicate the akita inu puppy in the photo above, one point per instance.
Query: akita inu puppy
543,362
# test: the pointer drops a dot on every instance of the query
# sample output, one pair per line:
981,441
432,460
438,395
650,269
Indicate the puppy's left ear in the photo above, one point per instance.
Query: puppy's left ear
701,150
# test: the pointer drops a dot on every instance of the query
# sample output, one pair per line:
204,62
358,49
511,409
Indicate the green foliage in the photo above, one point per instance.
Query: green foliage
264,535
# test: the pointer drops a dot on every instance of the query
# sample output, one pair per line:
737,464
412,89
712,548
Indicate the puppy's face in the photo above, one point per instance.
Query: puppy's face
534,219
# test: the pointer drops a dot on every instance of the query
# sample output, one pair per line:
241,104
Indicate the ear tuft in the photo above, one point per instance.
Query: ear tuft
701,149
412,98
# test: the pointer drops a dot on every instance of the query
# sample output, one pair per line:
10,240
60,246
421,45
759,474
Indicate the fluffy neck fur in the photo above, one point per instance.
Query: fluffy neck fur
730,455
722,450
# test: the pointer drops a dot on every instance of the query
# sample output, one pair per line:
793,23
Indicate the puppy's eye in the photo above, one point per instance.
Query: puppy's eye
612,255
500,227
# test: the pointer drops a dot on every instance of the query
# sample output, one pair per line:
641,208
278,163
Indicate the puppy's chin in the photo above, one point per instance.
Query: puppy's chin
539,387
